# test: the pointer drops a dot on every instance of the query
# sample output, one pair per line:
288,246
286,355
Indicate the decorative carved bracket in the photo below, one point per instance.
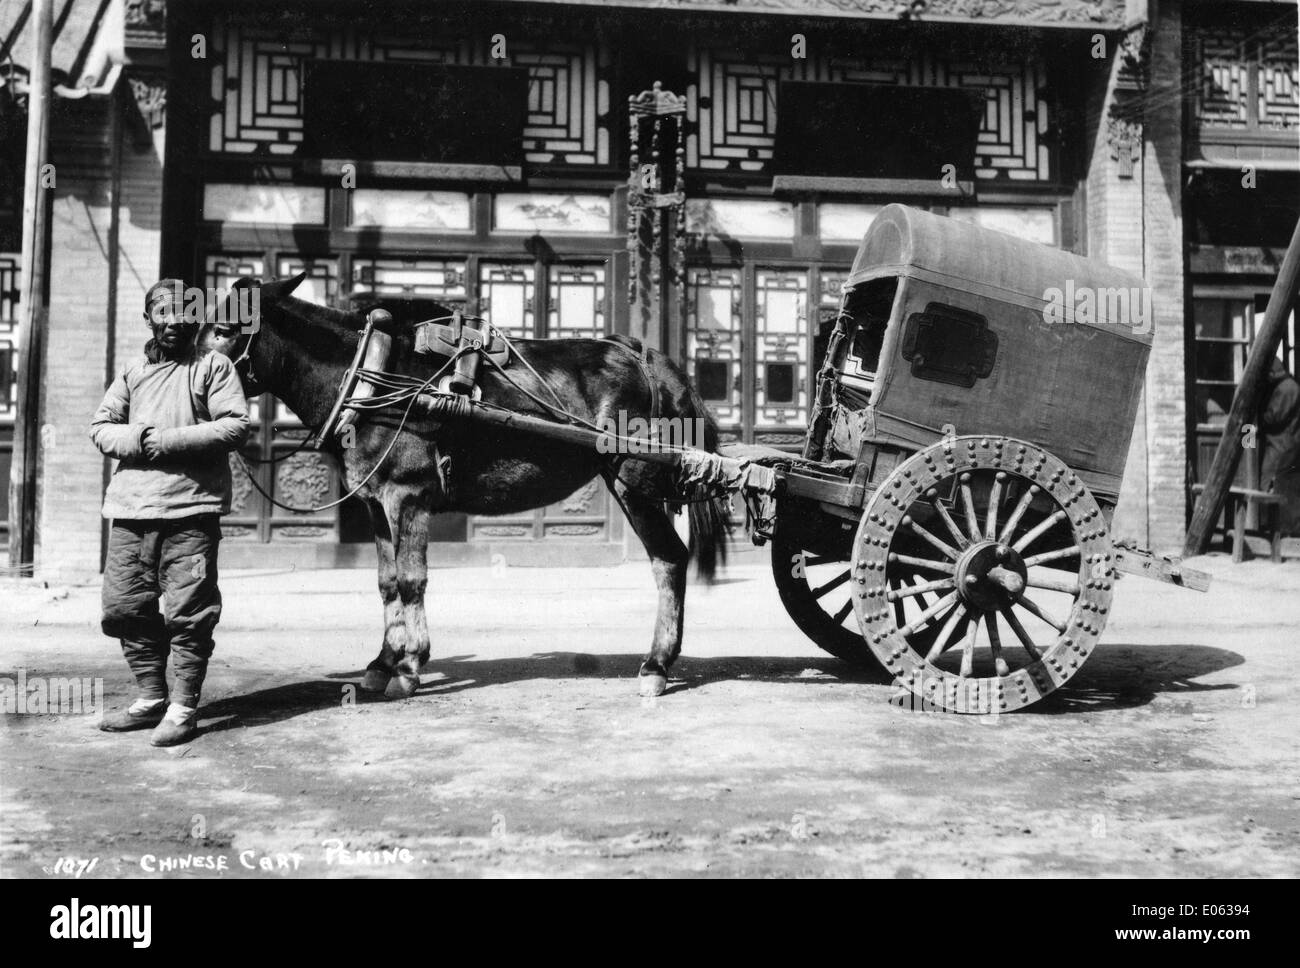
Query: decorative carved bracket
151,99
1127,109
1124,136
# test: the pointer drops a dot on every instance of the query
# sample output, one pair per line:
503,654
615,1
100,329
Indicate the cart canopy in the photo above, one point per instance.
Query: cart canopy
991,334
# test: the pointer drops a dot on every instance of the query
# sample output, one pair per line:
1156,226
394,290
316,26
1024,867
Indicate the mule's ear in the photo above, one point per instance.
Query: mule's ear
279,288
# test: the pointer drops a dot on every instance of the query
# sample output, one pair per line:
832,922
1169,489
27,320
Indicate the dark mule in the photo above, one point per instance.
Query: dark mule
300,352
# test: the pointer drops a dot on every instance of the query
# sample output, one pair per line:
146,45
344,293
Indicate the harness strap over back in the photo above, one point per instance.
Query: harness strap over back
372,354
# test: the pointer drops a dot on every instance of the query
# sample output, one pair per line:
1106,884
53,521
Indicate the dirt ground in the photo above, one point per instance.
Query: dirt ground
527,751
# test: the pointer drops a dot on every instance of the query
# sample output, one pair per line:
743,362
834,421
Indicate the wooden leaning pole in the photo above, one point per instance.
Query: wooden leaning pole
35,310
1245,400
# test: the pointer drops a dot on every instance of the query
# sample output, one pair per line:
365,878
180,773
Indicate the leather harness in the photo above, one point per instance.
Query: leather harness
435,338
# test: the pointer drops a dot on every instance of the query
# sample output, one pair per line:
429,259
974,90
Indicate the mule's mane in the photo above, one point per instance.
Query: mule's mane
321,329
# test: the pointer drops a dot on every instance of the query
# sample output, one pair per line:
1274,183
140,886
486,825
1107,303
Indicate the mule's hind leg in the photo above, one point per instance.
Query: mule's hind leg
409,519
668,560
380,670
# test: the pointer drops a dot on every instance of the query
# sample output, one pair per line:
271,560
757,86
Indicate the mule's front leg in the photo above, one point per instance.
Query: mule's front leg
380,670
412,568
668,561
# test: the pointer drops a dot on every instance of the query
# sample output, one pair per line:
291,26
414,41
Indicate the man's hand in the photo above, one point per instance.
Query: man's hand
149,441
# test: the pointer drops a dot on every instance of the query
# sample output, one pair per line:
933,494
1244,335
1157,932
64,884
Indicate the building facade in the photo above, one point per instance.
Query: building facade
478,155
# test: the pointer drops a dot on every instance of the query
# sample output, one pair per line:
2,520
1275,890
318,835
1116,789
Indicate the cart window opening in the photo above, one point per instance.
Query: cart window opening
949,345
869,306
779,382
712,379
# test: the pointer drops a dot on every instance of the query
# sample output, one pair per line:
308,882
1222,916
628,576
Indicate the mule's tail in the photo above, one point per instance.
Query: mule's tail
708,515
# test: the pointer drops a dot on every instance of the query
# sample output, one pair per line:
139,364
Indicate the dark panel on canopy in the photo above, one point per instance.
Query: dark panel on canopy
875,130
414,112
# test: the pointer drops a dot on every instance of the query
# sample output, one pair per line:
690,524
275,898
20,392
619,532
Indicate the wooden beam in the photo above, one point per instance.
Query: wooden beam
1244,401
34,310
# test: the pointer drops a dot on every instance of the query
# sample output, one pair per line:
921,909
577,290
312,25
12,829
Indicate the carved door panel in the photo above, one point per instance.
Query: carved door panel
782,332
748,340
572,301
715,343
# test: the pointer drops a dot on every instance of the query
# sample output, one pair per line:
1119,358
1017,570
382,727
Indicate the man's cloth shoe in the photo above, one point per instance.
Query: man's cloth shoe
141,714
177,726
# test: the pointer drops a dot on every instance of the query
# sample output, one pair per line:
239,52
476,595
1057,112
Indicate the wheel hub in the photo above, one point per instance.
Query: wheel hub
990,575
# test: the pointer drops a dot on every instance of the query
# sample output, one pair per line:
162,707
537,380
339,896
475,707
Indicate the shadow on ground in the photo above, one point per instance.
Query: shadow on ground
1117,677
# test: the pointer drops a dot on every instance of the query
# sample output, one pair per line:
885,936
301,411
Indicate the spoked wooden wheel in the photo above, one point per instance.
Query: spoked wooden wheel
983,574
816,591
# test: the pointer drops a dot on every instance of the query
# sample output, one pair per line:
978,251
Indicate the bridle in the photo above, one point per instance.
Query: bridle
245,358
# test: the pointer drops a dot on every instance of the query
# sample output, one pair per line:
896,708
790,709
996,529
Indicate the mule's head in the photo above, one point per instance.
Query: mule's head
235,318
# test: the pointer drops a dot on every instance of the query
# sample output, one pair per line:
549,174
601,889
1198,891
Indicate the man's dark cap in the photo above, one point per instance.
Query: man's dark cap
173,289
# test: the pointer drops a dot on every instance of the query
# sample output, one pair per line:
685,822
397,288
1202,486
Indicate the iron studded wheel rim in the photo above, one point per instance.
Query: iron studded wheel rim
1046,519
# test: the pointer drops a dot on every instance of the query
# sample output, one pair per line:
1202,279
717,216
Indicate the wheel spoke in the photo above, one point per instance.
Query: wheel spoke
972,520
995,644
945,634
820,560
895,595
943,566
968,649
1068,585
995,498
949,523
906,591
928,614
1030,606
1026,499
938,545
831,585
1021,634
1047,556
843,613
1039,530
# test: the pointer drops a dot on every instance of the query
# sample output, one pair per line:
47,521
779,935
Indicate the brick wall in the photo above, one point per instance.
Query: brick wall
71,471
86,249
1162,175
1135,224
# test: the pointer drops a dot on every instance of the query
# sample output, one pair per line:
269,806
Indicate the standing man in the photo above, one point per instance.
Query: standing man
170,420
1279,424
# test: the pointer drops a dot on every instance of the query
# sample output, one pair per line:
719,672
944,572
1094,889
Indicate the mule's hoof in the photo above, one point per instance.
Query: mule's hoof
652,684
375,681
402,687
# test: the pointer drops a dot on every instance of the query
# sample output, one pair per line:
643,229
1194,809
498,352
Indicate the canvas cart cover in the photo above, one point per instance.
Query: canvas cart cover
993,334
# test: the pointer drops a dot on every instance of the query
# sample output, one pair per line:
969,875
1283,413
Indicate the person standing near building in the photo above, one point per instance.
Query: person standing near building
1279,424
170,420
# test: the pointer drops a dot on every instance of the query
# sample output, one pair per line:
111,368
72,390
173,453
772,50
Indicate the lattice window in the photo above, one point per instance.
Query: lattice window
781,347
506,293
714,333
734,103
257,72
1249,76
10,279
442,280
831,288
576,301
222,270
567,98
1224,94
1279,83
